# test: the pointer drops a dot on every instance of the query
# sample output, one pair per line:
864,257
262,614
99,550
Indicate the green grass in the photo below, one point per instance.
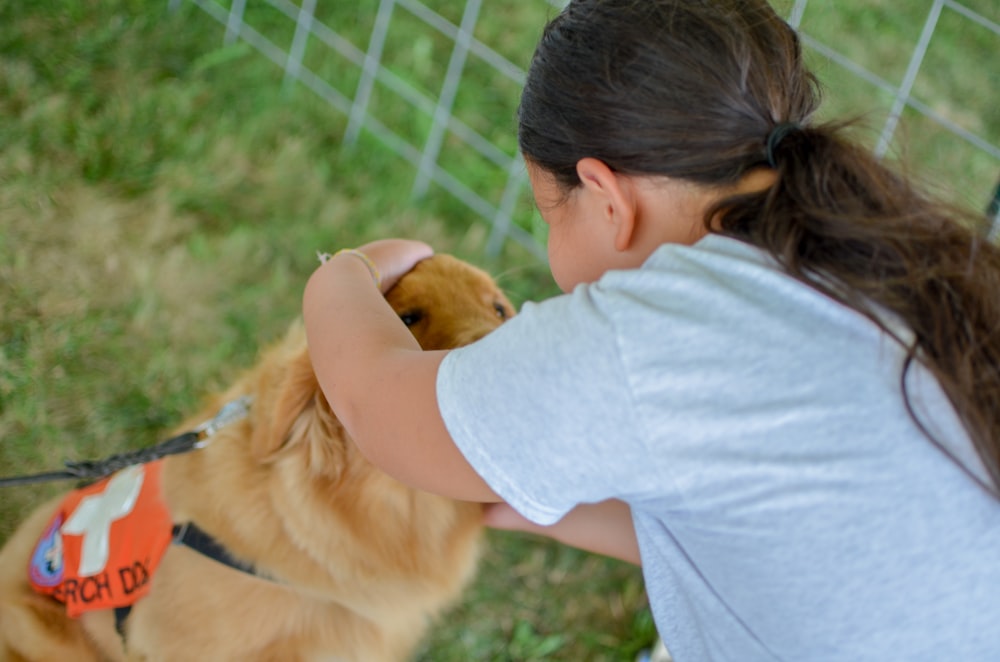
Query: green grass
162,197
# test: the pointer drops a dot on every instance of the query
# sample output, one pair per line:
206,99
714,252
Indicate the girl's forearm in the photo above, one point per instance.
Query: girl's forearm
604,528
348,325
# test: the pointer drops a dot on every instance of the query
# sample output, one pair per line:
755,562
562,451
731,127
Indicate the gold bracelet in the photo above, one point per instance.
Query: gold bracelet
372,268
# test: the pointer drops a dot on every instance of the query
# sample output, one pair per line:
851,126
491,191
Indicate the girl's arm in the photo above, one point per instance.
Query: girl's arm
381,385
605,528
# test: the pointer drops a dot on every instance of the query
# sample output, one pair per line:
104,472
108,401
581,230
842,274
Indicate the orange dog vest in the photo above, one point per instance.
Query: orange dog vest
104,542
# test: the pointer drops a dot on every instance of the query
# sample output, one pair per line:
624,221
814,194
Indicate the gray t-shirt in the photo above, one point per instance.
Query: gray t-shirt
787,507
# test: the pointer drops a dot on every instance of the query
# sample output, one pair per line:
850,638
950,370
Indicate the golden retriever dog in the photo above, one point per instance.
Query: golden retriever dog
341,561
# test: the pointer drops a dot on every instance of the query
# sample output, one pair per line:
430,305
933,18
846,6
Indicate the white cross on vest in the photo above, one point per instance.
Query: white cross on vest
93,517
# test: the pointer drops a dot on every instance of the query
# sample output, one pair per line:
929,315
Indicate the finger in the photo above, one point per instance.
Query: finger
396,257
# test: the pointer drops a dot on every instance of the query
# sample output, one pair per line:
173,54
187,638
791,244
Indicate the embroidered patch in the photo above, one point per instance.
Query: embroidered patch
47,560
104,542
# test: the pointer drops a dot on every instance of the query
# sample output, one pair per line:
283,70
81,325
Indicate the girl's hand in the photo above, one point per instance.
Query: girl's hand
395,257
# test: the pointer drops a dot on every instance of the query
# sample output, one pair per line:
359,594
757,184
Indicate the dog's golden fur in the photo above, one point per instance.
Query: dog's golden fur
361,563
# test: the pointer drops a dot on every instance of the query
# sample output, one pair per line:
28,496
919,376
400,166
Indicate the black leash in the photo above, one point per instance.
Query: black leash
94,469
182,443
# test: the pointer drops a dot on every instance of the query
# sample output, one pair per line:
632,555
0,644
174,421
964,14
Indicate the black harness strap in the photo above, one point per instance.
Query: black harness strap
191,535
121,613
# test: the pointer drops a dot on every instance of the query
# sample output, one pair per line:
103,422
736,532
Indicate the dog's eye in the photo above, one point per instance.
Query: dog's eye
411,317
501,311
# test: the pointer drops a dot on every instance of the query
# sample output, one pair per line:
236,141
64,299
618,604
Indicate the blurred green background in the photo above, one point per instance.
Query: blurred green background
163,194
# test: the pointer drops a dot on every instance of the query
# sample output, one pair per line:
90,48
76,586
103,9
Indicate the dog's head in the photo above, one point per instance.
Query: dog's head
444,301
447,303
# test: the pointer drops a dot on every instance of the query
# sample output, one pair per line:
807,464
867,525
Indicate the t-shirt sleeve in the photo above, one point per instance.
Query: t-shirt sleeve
541,407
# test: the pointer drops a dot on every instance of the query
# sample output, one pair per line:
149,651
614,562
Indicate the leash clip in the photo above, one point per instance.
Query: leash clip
230,413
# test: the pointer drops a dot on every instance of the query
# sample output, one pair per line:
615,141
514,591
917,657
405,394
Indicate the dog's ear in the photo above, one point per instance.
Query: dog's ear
317,434
296,419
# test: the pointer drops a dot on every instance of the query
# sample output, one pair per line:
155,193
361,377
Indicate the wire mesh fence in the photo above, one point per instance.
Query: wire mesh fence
436,83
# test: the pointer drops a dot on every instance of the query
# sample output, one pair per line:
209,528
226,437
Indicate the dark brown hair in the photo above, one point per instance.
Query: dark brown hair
691,89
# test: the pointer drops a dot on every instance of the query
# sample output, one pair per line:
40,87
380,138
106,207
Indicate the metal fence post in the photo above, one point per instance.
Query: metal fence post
369,71
993,213
235,21
446,99
303,27
903,93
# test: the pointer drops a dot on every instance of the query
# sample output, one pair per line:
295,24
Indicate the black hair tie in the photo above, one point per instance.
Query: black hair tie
774,138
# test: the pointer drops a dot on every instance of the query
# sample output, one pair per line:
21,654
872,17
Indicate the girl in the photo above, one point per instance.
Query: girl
773,379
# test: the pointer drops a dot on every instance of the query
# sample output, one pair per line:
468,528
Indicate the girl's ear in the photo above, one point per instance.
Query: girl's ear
614,195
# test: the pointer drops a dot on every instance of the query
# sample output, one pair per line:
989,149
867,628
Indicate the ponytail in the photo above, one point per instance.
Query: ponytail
844,223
